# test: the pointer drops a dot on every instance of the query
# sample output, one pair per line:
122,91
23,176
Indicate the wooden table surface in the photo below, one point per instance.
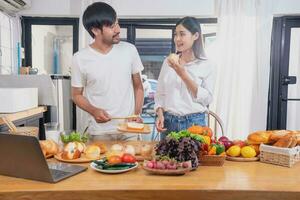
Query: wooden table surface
234,181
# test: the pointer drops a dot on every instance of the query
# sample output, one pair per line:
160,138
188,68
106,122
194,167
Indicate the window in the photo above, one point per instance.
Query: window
6,47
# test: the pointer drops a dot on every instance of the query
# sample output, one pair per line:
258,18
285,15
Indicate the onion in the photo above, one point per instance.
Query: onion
129,149
223,139
117,147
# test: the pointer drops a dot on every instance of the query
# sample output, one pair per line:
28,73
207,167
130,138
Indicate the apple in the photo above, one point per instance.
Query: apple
240,143
228,144
223,138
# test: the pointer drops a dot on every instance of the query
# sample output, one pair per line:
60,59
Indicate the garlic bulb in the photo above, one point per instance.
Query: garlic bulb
117,147
129,149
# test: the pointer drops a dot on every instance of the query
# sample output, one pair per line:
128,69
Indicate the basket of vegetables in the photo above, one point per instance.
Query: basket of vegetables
212,152
181,146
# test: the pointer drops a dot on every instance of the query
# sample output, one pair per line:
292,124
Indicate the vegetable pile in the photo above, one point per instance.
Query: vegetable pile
75,137
105,164
182,146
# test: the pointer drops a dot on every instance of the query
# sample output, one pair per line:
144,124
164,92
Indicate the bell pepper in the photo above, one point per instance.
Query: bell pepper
206,139
213,150
220,148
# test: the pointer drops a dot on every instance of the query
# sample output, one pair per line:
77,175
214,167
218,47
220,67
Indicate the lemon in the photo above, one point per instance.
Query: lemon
248,152
234,151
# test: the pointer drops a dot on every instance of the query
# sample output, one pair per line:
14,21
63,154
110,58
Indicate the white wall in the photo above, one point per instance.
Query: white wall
53,8
125,8
283,7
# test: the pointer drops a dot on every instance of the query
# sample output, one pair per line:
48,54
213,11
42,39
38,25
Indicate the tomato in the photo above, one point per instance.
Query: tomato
114,160
128,158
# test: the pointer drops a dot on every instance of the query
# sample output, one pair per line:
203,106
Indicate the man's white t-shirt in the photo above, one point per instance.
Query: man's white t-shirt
107,81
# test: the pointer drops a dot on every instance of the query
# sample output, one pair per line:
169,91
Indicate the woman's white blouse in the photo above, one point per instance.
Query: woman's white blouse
173,95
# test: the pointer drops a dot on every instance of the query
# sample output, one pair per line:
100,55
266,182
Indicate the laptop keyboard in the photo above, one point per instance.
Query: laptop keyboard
58,173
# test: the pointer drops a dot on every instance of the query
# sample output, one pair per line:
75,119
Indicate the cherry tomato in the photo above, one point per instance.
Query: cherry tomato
128,158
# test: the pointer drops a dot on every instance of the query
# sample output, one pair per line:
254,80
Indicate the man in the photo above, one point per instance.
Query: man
106,79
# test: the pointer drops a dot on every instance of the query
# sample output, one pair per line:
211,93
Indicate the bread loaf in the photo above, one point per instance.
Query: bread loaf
285,141
297,134
278,134
259,137
294,141
49,147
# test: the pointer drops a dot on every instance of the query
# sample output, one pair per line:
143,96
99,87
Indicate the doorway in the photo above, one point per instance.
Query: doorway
284,90
49,43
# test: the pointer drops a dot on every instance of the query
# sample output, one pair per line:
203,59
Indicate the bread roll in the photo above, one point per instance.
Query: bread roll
101,145
173,58
71,151
49,147
259,137
92,152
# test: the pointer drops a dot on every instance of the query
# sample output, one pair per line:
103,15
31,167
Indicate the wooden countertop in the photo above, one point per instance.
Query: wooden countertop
23,114
233,181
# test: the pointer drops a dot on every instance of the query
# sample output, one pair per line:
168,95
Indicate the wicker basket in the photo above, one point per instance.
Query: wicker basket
211,160
286,157
27,130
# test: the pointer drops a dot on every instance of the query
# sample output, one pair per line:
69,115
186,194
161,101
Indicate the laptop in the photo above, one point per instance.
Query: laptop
22,157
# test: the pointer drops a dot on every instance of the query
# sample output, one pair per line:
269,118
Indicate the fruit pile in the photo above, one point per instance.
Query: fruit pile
245,151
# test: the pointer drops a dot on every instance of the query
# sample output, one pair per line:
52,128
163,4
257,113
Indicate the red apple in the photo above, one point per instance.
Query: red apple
240,143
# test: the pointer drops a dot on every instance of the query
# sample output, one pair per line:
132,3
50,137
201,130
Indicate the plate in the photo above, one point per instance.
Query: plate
123,128
241,159
93,166
169,172
82,159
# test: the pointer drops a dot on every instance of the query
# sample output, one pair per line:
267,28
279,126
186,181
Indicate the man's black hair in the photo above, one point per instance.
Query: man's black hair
97,15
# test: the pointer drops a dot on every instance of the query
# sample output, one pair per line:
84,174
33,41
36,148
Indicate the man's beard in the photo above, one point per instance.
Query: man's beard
114,40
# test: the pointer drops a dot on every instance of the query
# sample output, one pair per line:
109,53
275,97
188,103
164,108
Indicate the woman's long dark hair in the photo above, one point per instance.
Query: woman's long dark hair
192,25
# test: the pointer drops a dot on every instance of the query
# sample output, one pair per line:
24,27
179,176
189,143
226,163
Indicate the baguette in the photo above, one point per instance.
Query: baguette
284,142
259,137
277,135
294,141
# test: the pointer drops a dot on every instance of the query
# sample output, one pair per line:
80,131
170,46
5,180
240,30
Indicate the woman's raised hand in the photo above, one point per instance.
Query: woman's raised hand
173,62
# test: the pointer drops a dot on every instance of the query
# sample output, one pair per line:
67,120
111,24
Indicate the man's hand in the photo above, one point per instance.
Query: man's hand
101,116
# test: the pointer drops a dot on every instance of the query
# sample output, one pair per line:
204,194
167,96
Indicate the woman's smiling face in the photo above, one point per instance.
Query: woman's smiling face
184,39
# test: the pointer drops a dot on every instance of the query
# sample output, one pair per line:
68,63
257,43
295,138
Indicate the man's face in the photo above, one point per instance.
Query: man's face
111,34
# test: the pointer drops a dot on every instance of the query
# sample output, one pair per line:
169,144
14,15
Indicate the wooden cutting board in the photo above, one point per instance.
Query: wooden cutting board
241,159
82,159
123,128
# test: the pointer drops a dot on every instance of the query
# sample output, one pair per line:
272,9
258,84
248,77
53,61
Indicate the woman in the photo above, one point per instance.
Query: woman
186,81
